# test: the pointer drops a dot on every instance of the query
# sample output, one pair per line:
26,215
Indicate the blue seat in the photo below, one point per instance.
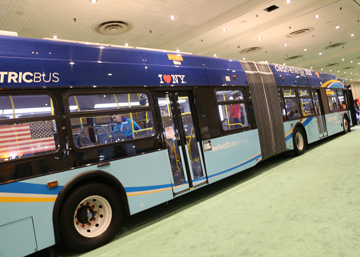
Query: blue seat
81,139
115,132
102,135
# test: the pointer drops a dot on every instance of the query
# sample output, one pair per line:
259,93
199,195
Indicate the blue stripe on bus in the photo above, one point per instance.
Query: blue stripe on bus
306,122
235,167
146,188
29,188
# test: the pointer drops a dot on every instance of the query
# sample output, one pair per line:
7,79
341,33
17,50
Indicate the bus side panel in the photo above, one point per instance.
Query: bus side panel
288,128
146,179
312,129
334,123
231,154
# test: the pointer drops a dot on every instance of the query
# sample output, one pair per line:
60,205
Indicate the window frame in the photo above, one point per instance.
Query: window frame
106,112
54,117
229,102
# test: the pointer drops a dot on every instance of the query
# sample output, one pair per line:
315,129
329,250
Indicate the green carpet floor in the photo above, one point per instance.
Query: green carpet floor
286,206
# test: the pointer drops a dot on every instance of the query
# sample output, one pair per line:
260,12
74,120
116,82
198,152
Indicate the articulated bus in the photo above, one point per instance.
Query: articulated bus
91,133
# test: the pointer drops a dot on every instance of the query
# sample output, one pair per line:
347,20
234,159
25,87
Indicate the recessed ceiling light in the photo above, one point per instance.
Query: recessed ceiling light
321,68
351,62
259,38
305,49
337,27
330,70
343,59
284,64
320,53
215,55
285,44
93,1
224,29
126,44
352,35
177,50
317,16
244,58
172,17
54,37
310,67
288,1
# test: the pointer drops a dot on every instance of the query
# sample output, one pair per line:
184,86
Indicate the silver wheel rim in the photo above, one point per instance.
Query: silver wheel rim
299,141
92,216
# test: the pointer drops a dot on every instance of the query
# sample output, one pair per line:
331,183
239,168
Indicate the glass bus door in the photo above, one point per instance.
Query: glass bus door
320,117
180,137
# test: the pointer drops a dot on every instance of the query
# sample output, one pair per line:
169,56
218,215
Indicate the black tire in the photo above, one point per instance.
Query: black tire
346,125
299,141
90,217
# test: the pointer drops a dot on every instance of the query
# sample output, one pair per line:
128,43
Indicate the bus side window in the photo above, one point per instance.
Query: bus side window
332,99
291,103
118,126
24,139
232,109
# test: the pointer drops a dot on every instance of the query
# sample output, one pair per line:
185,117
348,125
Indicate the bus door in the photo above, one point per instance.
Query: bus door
319,114
181,140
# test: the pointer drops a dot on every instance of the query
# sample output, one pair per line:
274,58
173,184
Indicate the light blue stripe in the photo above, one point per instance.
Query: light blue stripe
29,188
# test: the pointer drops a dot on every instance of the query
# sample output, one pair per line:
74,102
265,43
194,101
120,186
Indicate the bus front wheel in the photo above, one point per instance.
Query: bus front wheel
299,141
90,217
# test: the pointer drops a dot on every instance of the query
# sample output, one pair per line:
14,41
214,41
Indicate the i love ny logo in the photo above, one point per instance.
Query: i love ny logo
171,78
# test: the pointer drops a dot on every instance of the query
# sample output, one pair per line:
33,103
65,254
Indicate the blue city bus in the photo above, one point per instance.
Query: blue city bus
91,133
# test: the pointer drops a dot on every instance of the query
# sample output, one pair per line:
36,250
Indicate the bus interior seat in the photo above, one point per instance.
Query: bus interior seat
115,132
81,139
102,135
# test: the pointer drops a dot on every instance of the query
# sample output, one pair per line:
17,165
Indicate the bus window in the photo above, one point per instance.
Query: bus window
306,103
25,139
291,103
107,101
342,101
23,106
97,129
233,116
229,95
232,109
332,100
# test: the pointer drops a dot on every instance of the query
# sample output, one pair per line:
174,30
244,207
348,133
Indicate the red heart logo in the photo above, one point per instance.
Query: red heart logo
167,78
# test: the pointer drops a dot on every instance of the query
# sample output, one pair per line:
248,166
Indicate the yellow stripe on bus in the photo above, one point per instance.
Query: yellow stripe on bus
25,199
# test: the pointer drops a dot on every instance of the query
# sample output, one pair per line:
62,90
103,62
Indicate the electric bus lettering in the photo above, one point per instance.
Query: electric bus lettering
28,77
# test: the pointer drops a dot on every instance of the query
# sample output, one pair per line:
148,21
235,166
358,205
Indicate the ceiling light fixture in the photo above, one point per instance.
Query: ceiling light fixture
305,49
126,44
352,35
285,44
317,16
320,53
172,17
55,37
288,1
343,59
224,29
259,38
215,55
93,1
337,27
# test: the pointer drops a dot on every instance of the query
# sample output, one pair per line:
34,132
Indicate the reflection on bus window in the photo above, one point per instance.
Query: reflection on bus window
292,108
342,100
289,92
307,107
332,100
233,116
23,106
229,95
19,140
98,130
107,101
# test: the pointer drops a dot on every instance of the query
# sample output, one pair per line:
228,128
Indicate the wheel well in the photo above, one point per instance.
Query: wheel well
301,126
84,178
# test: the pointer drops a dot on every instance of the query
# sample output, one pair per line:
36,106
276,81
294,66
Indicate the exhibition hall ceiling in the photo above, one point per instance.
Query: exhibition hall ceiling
321,35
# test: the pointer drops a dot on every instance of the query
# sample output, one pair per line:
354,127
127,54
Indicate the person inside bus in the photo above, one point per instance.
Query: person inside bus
125,125
235,112
343,105
296,114
357,112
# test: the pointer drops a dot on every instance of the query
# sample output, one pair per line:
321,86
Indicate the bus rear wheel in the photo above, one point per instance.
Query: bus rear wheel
90,217
346,125
299,141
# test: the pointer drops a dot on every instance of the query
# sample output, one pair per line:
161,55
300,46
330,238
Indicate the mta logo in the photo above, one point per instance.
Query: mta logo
172,79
